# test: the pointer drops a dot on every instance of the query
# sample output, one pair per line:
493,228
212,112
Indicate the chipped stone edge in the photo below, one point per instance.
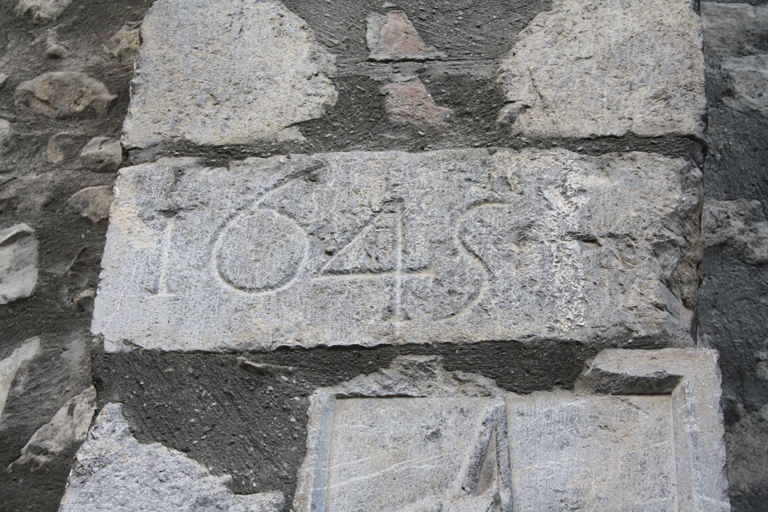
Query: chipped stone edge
692,378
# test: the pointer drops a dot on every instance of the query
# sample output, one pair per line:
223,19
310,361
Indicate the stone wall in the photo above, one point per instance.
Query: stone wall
327,209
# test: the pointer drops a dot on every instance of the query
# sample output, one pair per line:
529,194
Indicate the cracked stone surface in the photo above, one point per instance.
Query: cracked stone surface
605,68
227,72
362,248
113,472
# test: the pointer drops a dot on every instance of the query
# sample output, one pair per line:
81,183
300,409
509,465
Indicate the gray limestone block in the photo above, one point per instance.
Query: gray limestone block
694,401
226,72
114,472
607,68
415,438
740,224
18,263
392,248
733,28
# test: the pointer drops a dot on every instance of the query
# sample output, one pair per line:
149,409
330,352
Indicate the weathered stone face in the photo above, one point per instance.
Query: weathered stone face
225,73
113,472
644,432
602,68
372,248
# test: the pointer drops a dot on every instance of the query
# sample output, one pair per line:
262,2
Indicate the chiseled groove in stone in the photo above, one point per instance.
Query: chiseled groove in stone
228,72
361,249
603,67
586,450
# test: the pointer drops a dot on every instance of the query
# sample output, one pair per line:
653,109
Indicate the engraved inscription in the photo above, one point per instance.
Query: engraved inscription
393,248
260,251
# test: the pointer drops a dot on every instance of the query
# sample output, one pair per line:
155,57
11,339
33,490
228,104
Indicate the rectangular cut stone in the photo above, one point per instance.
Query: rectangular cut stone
391,248
642,432
406,449
592,452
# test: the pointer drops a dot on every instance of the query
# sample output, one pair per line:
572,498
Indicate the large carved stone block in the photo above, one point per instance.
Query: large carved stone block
643,432
372,248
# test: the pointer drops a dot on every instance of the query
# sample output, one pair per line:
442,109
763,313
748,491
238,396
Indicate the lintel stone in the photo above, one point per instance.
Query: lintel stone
392,248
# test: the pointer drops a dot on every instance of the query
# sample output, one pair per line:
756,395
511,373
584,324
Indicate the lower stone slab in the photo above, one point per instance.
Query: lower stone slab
393,248
643,432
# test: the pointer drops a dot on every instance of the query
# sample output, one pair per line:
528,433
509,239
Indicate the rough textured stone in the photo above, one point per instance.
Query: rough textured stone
18,263
45,9
607,68
63,146
10,365
645,433
3,80
410,438
113,472
93,202
392,37
66,430
691,379
125,43
102,154
410,102
226,73
748,79
62,94
733,28
363,248
740,224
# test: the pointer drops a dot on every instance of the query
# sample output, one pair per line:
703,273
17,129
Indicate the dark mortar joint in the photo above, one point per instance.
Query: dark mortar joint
245,413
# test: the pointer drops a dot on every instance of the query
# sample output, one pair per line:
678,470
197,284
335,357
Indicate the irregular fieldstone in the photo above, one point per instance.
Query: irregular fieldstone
63,146
11,364
740,224
65,432
762,361
365,249
93,202
125,43
45,9
748,80
3,79
63,94
604,68
226,73
113,472
102,154
392,37
18,263
409,102
645,431
733,28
